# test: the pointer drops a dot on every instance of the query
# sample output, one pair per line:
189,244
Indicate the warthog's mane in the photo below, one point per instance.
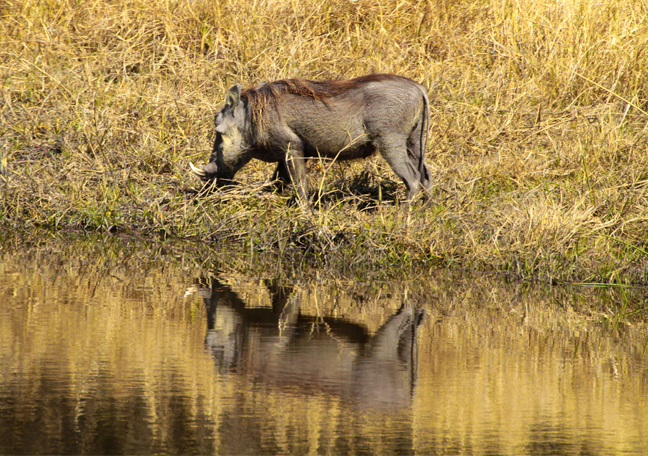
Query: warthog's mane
265,96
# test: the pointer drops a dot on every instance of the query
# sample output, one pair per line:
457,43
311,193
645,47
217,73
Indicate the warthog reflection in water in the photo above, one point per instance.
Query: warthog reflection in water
281,346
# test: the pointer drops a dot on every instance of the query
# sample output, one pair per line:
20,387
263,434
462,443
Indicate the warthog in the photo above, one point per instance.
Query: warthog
291,120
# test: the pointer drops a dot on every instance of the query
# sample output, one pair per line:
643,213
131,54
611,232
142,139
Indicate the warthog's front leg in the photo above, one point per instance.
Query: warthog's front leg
296,166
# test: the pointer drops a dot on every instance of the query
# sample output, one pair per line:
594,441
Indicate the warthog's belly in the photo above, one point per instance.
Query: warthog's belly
348,152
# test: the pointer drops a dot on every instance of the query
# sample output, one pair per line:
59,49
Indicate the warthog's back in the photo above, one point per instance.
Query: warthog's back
345,119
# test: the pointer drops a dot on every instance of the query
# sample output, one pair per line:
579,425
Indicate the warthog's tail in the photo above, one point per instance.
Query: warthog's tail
425,126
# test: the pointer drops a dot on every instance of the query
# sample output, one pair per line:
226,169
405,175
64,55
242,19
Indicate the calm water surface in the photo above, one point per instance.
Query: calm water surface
116,355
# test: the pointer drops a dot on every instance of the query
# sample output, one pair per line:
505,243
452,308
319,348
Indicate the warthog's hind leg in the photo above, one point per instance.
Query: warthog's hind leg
281,176
396,154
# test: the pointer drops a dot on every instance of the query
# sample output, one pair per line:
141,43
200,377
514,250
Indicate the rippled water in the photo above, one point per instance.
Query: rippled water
100,355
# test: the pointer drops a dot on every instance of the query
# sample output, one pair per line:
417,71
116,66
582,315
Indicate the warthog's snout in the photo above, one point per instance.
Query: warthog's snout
207,173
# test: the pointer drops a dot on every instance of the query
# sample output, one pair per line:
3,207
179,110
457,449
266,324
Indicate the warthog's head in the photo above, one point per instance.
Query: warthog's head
231,151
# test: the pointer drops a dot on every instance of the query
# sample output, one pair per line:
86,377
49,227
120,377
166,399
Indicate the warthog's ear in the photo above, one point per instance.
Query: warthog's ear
233,96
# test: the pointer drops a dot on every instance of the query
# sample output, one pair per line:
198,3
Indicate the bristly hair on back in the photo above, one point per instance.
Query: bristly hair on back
261,97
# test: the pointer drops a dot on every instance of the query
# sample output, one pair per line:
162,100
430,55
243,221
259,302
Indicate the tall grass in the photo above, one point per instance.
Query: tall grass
537,146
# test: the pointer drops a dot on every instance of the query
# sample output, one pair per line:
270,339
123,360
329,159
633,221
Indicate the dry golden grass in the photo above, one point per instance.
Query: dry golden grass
538,140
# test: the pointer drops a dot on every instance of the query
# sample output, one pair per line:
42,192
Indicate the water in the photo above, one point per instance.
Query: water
121,354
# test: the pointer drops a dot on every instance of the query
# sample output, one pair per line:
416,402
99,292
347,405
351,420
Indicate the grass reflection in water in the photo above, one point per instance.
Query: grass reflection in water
131,351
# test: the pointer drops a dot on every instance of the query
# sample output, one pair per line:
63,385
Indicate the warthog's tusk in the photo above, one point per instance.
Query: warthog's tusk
197,171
